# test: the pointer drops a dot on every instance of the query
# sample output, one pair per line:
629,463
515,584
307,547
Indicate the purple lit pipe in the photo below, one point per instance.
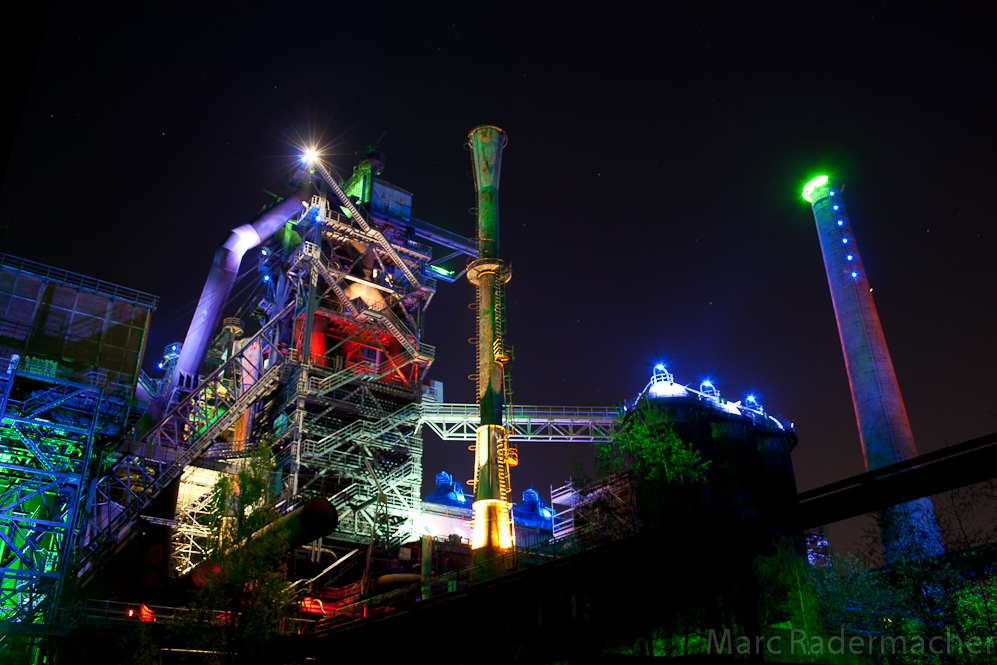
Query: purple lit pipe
224,270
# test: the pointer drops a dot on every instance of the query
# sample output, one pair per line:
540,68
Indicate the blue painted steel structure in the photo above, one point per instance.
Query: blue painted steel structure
70,353
46,444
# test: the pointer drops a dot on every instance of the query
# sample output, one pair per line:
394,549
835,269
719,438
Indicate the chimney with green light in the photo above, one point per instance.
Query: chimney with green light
884,430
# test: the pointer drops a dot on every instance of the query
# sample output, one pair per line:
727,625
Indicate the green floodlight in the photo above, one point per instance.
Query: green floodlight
442,271
808,191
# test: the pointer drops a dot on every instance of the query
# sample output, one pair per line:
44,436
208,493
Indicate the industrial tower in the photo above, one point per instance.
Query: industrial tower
492,531
884,430
331,383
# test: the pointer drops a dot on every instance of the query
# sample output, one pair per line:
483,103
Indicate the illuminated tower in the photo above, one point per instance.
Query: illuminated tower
884,430
492,525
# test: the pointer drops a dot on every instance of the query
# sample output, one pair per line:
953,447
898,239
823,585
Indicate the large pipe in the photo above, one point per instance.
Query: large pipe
492,527
218,286
884,430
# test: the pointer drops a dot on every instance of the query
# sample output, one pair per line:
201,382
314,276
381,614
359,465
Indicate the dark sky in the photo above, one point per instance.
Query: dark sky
650,194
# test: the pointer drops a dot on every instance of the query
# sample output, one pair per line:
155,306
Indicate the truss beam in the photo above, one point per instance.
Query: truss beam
458,422
47,430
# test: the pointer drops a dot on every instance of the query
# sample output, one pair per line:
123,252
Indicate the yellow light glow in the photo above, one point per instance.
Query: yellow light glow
491,524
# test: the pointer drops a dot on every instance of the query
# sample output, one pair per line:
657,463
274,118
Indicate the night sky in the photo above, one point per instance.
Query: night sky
650,193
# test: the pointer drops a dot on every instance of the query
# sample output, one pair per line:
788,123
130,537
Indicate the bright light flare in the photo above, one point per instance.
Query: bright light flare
811,187
491,524
309,156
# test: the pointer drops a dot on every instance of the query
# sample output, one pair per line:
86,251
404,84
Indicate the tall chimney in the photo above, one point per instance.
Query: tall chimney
884,430
492,531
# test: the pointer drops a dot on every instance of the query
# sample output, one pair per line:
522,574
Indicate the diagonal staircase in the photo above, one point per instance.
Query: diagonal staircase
144,469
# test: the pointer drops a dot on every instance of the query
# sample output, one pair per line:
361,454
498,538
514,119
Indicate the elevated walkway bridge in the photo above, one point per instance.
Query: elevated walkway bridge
458,422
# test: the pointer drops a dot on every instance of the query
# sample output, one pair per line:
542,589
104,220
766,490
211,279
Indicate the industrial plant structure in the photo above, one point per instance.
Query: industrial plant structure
747,450
492,531
107,473
70,357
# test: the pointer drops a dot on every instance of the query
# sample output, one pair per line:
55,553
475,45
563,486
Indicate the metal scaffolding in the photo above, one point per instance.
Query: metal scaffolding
346,423
47,436
134,473
331,384
70,351
603,508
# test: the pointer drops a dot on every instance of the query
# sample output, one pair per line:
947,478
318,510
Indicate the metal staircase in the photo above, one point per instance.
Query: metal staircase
375,233
310,254
361,430
135,474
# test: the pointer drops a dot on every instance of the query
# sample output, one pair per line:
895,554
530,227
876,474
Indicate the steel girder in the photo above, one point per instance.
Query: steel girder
458,422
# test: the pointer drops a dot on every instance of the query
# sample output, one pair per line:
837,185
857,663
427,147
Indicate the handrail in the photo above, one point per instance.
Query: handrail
77,281
181,430
521,411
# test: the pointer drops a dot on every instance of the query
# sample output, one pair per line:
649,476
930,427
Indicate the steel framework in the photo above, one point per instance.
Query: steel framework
134,473
70,351
346,423
331,383
458,422
47,436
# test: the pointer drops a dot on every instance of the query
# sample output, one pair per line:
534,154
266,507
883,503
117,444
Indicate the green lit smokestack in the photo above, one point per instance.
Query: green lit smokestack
884,430
492,527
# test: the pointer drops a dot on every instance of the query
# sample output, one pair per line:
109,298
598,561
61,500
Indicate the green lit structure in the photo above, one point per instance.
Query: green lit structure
70,352
493,455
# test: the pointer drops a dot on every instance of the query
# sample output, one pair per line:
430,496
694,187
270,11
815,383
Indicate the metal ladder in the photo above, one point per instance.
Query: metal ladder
363,429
